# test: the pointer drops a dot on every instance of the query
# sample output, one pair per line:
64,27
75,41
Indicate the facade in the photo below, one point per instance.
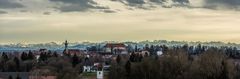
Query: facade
115,48
86,68
100,74
88,64
75,51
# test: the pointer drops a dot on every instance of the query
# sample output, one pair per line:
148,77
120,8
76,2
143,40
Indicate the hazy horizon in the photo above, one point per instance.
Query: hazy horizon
24,21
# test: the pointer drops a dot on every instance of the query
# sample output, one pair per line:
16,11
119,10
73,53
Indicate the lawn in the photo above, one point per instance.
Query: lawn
92,75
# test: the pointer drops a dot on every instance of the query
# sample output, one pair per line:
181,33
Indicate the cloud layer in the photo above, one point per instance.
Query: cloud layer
3,12
153,3
222,4
164,23
78,5
101,6
8,4
78,20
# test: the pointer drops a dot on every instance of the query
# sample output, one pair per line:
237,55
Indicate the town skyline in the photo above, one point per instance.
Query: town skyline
119,39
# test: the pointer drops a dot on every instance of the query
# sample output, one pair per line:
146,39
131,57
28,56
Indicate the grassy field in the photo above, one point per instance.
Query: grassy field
93,75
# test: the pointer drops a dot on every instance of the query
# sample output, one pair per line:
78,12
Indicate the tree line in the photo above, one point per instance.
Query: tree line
49,63
212,63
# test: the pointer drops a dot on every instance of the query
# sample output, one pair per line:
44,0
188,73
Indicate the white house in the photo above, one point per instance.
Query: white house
100,74
86,68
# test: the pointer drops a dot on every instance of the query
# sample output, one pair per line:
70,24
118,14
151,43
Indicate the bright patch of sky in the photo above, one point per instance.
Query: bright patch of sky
35,23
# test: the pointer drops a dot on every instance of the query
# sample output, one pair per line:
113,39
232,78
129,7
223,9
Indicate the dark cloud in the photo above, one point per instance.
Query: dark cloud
157,1
135,1
78,5
140,3
23,11
175,1
109,11
215,4
3,12
5,4
80,2
131,2
181,1
46,13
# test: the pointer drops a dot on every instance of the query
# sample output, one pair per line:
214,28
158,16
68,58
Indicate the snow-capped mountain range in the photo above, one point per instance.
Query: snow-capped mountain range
84,45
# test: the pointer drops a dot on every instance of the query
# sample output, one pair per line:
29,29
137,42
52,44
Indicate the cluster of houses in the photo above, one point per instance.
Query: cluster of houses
107,53
105,56
109,50
98,67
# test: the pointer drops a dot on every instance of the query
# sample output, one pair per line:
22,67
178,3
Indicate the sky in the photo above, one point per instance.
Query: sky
38,21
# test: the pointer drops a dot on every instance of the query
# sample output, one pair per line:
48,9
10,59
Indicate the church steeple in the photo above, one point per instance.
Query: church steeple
66,48
66,45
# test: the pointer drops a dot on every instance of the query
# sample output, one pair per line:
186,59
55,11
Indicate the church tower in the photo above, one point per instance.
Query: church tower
66,47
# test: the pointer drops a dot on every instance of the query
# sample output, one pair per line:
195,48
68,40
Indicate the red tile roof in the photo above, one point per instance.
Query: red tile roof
75,51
